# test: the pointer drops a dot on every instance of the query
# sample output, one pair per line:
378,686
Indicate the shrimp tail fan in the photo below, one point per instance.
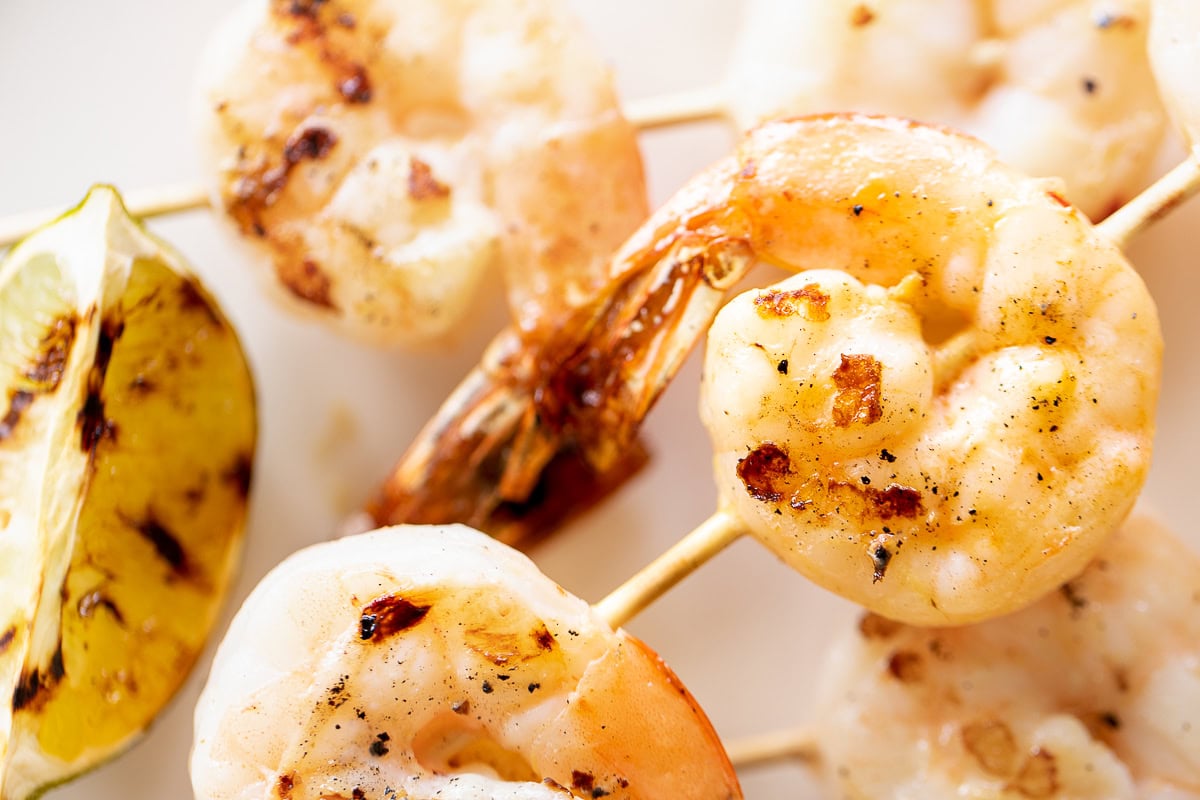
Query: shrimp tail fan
546,425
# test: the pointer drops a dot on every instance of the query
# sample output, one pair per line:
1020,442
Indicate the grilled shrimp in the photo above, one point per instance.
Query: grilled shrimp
392,155
1093,692
1175,56
1059,87
429,662
945,418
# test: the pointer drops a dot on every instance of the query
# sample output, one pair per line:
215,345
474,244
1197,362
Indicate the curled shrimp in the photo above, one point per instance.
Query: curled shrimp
392,155
948,415
429,662
991,283
1059,87
1175,56
1092,692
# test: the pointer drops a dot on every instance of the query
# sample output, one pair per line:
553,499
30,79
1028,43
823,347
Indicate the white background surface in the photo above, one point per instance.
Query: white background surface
102,92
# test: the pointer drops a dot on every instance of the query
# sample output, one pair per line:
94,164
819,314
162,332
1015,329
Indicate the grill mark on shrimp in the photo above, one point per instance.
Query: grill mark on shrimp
859,380
764,472
389,615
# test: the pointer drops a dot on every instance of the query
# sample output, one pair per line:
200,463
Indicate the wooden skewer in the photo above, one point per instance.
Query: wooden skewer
722,529
685,557
647,114
795,744
144,203
693,105
1158,200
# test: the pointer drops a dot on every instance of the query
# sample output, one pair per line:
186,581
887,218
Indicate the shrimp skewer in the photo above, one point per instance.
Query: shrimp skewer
889,439
1175,57
980,69
585,408
438,663
1060,89
1092,692
391,154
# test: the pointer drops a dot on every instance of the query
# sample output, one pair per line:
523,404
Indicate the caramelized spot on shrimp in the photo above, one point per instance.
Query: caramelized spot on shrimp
422,185
858,379
1025,704
808,300
992,744
388,615
764,472
439,711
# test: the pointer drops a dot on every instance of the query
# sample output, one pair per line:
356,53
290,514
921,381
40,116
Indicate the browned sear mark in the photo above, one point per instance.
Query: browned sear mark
308,282
240,474
1038,776
993,746
544,638
311,143
287,782
582,781
873,626
764,471
894,501
355,86
301,8
7,637
34,688
859,379
388,615
809,301
18,401
862,15
906,666
422,185
193,298
94,425
55,347
259,183
165,544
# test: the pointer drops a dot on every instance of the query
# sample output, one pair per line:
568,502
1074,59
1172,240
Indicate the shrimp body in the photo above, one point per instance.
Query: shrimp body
391,155
950,424
998,269
1092,692
435,662
1175,56
1059,87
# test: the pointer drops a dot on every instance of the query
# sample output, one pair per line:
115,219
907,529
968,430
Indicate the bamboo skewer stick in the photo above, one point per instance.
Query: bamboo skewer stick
650,113
793,744
647,114
721,529
145,203
694,105
1158,200
685,557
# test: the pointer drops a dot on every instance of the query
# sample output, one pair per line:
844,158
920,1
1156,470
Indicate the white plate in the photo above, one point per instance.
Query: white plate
102,92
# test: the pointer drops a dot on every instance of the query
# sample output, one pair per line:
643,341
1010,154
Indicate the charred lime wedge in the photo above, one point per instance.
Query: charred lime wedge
127,433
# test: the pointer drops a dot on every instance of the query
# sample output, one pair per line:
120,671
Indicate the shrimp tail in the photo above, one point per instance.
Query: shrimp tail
488,460
546,425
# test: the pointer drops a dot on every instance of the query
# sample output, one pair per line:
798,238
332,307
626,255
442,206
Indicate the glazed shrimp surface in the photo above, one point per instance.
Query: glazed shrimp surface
435,662
1060,87
1093,692
392,155
948,415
